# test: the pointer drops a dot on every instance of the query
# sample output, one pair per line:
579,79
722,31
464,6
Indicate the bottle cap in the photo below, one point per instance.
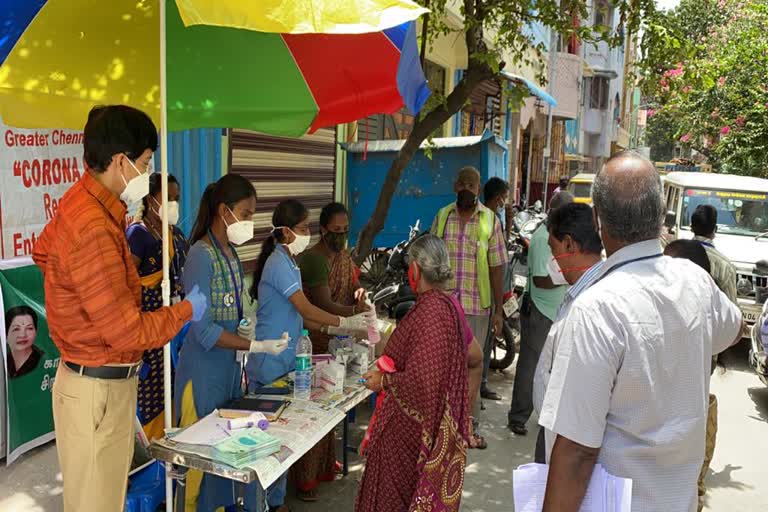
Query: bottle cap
304,332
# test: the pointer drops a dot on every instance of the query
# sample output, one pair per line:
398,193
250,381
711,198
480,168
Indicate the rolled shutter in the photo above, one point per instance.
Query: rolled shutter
283,168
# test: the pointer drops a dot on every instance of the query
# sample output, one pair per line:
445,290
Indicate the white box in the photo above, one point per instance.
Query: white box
331,377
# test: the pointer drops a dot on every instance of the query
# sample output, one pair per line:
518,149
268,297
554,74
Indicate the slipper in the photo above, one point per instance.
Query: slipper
309,496
477,442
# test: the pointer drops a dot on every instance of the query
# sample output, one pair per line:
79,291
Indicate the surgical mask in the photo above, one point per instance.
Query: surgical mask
240,231
173,211
466,199
555,272
137,188
299,243
336,242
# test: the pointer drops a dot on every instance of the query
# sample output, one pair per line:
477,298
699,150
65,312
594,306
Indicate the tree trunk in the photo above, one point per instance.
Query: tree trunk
422,129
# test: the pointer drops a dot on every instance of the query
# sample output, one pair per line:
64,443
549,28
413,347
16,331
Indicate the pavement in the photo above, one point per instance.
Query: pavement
739,468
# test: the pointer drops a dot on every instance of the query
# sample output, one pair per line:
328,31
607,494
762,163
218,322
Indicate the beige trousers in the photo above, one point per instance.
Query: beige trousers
94,421
709,447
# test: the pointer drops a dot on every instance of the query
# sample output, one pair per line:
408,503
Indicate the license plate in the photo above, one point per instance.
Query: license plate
751,315
510,307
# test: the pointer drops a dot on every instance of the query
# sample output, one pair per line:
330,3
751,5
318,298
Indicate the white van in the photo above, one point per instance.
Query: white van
742,225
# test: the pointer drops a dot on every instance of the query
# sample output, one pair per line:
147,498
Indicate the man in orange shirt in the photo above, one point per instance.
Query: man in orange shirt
93,306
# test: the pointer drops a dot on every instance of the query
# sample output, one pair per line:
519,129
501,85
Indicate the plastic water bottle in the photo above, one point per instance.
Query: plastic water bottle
302,381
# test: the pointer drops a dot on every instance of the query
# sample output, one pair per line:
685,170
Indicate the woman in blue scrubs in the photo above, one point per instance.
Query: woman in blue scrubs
282,305
208,375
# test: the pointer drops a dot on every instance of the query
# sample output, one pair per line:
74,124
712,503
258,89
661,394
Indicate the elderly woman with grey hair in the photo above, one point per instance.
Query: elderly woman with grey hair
417,450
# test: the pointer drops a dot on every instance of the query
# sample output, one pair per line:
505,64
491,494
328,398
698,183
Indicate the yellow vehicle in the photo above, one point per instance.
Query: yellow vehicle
581,188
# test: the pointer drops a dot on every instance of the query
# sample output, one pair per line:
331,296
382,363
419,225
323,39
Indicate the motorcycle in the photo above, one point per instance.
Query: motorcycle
524,223
392,292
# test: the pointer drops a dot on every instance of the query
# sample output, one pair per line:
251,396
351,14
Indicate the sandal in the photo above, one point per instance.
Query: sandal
309,496
477,442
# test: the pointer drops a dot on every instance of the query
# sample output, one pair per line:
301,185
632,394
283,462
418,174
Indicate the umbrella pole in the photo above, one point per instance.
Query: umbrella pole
166,285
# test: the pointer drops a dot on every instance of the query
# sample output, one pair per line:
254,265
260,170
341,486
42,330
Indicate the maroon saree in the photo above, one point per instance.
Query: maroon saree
417,453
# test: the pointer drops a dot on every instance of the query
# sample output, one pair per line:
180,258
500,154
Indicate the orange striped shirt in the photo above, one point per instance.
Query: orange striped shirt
92,288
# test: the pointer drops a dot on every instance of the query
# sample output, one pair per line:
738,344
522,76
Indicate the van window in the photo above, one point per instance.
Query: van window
738,213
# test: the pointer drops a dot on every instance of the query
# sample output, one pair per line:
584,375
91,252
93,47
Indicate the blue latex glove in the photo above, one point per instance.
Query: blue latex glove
199,303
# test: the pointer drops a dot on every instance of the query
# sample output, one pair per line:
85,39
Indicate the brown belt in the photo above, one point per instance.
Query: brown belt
105,372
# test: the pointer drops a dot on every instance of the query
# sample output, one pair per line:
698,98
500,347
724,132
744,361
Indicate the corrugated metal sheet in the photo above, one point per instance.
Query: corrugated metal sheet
283,168
194,157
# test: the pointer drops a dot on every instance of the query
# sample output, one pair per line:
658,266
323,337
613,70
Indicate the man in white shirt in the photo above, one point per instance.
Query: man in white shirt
630,379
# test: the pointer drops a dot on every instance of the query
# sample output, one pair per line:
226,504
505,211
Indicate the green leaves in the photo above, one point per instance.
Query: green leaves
720,101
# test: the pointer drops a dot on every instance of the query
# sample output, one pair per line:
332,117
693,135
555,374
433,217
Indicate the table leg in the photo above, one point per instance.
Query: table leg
240,497
181,487
345,444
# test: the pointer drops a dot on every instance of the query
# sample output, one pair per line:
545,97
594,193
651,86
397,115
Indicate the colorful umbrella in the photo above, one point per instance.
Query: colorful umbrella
59,59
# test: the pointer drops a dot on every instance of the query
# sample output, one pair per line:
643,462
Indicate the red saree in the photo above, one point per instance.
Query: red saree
417,453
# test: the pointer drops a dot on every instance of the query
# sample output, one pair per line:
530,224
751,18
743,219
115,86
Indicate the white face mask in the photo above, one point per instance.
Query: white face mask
137,188
173,211
555,274
240,231
299,244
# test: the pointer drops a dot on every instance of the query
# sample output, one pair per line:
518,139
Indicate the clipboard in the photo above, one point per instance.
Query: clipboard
271,408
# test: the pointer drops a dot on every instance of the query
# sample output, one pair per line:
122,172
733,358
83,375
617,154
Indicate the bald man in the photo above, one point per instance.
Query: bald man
630,377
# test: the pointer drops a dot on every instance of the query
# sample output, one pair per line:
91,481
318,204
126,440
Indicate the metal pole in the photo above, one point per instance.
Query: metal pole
545,160
166,284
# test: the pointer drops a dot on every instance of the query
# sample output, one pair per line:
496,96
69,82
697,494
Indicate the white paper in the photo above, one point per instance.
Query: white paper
605,493
209,431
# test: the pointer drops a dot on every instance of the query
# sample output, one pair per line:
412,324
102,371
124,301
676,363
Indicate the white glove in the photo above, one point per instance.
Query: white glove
359,322
272,347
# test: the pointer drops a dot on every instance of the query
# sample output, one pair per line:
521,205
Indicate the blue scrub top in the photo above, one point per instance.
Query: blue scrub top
280,279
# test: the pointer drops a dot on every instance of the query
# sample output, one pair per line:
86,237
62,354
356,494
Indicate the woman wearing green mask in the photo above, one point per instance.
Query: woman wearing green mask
328,274
329,280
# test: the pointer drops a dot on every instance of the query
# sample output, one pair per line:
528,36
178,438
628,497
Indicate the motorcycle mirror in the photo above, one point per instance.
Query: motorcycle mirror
386,293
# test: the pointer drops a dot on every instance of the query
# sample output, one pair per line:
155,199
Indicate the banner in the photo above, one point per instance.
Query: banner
36,169
30,358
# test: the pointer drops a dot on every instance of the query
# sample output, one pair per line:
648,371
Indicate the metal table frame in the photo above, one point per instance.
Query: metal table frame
182,462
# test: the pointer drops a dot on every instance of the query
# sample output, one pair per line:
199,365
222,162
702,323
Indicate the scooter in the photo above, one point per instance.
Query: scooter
524,223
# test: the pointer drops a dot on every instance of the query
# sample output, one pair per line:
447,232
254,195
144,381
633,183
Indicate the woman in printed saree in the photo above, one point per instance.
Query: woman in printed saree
417,451
145,241
329,280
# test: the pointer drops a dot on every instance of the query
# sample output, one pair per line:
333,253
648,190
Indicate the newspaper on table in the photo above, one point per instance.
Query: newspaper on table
300,428
605,493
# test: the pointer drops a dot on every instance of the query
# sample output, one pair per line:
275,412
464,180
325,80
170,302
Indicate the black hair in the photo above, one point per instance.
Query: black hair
115,129
704,220
576,220
564,181
19,311
230,190
155,184
329,210
690,250
288,213
494,187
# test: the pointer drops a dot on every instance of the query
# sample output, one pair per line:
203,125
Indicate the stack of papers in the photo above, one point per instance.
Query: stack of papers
246,446
606,493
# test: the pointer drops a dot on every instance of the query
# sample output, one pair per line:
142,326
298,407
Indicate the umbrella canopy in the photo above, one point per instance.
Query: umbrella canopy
61,58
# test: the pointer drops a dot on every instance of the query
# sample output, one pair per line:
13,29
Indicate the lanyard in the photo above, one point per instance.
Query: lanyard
707,244
219,252
624,263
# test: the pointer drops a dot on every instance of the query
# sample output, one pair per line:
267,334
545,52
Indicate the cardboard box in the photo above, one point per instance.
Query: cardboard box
331,377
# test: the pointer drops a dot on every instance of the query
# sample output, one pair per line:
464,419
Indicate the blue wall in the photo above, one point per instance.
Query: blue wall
195,159
425,186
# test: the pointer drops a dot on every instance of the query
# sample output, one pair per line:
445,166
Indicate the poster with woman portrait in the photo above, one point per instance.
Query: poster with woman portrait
30,359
